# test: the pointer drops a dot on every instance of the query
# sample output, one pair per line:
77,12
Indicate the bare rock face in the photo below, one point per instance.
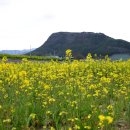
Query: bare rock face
81,44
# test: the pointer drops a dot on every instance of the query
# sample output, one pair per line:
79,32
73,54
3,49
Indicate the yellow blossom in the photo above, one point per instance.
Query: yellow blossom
101,117
7,121
109,119
32,115
87,127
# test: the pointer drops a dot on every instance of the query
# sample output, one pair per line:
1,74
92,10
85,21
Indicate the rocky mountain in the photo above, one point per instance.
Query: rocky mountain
81,44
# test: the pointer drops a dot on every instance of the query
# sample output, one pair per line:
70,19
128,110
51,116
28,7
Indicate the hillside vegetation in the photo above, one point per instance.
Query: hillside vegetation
81,44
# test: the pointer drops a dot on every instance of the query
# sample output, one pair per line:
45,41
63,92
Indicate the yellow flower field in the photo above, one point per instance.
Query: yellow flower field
68,95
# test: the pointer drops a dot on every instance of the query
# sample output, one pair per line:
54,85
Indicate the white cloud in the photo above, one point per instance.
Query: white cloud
4,2
25,22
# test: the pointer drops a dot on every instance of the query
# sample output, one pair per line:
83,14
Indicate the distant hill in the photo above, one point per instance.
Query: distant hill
81,44
14,52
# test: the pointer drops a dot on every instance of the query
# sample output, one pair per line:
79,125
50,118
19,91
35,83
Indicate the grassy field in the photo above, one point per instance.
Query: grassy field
34,58
77,95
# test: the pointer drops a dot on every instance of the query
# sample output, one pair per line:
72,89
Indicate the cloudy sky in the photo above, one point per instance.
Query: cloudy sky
30,22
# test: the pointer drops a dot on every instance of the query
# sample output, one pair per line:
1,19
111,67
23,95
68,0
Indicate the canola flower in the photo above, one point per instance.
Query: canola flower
68,54
6,120
70,95
32,116
13,128
109,119
103,119
0,107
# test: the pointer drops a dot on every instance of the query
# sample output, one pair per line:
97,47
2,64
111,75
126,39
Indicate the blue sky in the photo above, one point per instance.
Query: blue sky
31,22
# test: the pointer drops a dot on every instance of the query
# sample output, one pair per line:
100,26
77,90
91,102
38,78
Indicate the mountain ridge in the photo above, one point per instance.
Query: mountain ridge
15,52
